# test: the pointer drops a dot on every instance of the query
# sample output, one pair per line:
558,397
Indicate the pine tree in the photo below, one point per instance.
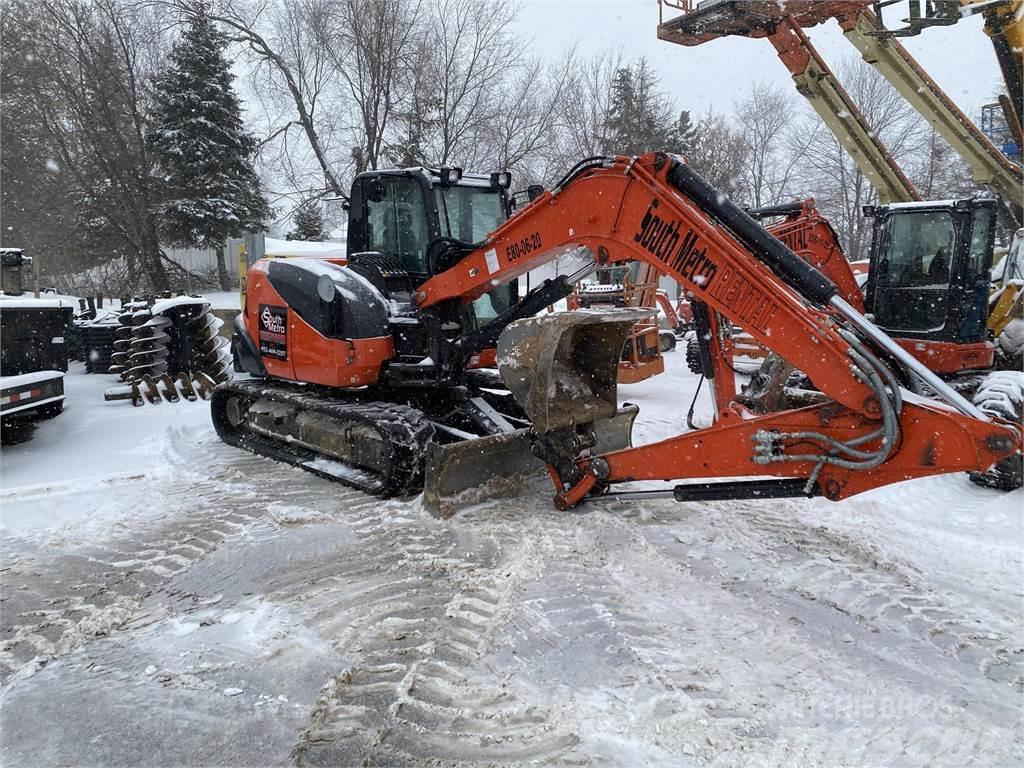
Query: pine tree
640,117
309,223
212,192
620,133
685,136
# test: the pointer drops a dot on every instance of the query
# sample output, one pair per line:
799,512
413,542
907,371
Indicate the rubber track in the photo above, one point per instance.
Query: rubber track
406,430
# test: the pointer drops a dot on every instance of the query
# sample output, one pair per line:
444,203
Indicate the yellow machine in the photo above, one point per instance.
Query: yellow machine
862,22
1006,305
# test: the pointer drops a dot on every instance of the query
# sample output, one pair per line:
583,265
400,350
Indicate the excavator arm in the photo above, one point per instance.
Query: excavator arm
644,209
655,209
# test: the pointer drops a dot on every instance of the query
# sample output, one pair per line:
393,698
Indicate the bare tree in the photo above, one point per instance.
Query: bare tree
415,117
587,104
720,154
369,43
764,116
88,98
937,171
472,43
525,131
278,35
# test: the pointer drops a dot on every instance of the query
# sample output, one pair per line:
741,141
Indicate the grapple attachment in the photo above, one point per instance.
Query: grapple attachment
562,368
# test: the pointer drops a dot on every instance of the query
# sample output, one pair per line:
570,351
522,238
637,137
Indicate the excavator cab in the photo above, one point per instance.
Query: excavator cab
423,218
401,213
929,279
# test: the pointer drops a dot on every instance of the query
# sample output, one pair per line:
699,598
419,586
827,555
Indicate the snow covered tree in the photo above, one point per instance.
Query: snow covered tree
203,150
309,223
640,116
685,132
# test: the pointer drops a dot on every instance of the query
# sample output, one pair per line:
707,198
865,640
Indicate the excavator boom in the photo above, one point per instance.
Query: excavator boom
655,209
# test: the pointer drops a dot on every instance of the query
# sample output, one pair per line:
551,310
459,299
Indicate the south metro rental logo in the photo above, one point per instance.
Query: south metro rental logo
273,331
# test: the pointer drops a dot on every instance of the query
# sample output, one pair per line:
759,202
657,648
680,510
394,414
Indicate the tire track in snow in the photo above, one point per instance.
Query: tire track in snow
422,606
856,579
919,717
52,606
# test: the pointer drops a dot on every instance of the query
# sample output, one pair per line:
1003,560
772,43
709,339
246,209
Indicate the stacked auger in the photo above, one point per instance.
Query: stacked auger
168,350
97,344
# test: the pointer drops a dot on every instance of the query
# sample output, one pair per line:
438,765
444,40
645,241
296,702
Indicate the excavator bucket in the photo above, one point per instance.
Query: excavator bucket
562,368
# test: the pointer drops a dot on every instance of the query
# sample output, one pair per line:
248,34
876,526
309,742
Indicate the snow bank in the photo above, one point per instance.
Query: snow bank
90,441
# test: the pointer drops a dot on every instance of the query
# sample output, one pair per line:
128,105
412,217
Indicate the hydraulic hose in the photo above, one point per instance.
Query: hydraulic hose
774,254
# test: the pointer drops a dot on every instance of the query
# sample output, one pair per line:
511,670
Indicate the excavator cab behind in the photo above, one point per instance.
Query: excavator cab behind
929,279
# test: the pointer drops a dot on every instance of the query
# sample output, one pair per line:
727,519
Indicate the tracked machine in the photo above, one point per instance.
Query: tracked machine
364,372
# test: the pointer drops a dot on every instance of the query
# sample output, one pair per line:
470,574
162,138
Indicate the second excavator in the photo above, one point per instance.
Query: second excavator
364,371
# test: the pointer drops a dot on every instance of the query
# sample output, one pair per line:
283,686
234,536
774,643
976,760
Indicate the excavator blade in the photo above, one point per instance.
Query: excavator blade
461,474
562,368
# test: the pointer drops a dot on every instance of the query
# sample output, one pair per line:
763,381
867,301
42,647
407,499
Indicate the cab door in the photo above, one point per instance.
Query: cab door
972,286
911,271
389,216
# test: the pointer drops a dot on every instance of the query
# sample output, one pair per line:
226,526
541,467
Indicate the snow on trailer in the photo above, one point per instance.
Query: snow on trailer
33,358
30,390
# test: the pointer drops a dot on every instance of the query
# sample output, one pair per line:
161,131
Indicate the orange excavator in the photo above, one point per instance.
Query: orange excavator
360,372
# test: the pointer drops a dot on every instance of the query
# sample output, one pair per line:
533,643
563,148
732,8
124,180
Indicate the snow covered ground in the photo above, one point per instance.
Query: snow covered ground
167,600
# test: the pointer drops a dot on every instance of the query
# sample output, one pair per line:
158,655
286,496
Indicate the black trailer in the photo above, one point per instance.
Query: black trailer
33,352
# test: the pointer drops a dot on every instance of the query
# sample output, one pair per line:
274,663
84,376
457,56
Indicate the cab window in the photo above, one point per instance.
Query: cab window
468,213
919,249
981,245
396,221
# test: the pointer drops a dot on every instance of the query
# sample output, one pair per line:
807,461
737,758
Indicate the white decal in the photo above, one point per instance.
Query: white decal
491,257
271,321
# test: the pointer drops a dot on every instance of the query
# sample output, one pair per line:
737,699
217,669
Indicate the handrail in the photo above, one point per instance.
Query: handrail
680,5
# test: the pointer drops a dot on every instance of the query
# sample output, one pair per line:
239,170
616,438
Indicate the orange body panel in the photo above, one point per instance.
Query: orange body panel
936,440
485,358
305,354
946,357
809,235
632,373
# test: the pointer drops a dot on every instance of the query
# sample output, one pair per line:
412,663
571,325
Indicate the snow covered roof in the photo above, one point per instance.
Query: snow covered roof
921,204
24,379
178,301
274,247
30,302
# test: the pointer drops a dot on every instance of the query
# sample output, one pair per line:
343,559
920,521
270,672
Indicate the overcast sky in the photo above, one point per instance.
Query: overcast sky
960,58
